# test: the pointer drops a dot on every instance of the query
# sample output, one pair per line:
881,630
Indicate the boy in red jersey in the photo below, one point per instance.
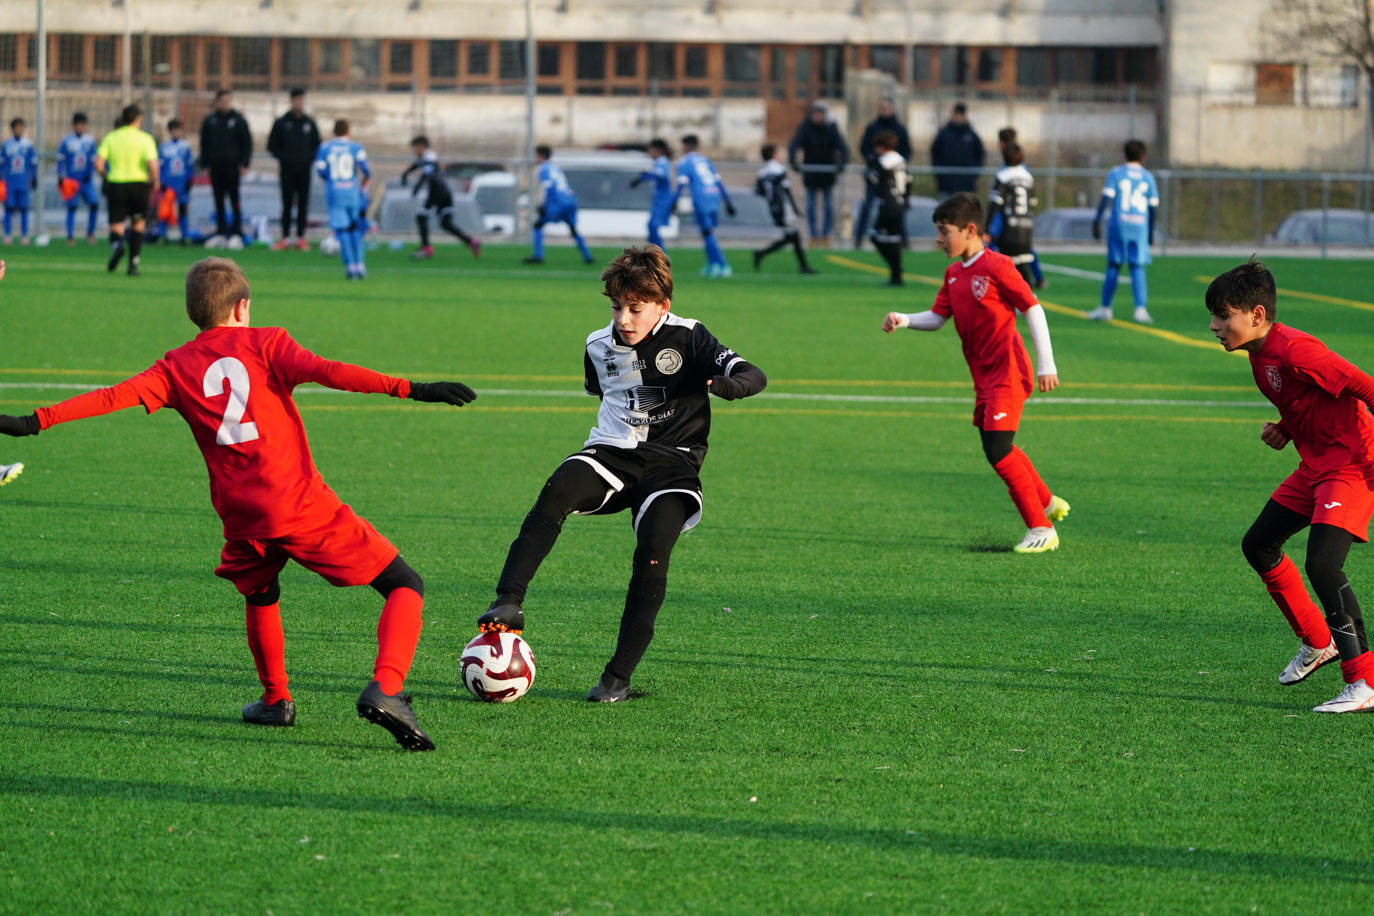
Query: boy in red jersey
1319,397
232,385
983,292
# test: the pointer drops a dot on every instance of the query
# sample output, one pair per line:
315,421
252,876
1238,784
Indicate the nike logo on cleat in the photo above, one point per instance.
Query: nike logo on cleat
1330,505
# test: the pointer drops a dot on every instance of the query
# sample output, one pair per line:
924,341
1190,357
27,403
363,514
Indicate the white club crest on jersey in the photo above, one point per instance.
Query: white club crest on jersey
668,361
1275,380
979,285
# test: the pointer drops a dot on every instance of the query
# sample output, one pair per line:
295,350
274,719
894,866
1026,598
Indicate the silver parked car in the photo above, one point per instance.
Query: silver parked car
1332,227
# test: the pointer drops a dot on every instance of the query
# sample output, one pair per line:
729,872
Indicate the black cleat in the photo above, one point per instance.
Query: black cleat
393,713
809,270
502,618
610,689
134,270
116,255
758,259
532,260
281,713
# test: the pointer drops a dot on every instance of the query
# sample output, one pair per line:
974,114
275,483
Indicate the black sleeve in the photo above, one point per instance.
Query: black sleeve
590,382
749,378
903,142
314,137
274,139
842,148
712,358
245,143
201,160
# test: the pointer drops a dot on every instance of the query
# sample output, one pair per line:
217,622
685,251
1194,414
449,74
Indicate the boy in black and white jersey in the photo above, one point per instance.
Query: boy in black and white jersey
1011,216
654,373
772,186
438,199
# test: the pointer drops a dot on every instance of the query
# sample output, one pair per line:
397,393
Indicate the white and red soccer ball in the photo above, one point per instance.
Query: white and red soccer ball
497,667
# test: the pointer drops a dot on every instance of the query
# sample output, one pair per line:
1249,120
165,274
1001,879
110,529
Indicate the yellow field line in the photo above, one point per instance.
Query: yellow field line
1313,297
1049,307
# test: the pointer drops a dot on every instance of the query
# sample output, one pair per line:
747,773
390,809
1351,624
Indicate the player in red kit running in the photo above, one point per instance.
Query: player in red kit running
1319,397
232,385
983,291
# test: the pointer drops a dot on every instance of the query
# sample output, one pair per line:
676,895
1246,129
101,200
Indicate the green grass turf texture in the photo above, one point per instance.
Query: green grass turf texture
858,700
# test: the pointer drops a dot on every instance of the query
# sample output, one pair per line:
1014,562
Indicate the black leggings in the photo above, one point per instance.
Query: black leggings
1327,547
576,487
996,444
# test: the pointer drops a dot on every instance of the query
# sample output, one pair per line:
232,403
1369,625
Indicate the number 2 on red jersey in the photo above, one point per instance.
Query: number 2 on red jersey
232,431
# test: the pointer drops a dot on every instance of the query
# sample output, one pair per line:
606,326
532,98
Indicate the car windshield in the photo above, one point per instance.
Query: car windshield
605,189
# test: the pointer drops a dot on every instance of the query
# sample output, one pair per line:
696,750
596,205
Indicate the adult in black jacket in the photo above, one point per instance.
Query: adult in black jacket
226,149
886,120
957,146
823,157
293,142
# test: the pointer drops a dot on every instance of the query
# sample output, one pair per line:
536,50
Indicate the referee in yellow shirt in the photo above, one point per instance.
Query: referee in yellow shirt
127,157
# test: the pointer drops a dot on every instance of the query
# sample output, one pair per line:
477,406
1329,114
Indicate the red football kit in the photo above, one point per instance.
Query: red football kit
1330,426
233,387
983,295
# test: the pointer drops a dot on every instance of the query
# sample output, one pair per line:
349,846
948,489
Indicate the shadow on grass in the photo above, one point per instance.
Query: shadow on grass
1347,871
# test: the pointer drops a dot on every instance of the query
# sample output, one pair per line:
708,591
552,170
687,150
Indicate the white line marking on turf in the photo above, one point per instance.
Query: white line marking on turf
1081,273
765,396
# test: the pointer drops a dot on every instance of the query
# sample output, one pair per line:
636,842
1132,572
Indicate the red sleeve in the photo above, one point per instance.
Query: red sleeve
941,306
1328,370
149,388
1015,291
1361,385
297,364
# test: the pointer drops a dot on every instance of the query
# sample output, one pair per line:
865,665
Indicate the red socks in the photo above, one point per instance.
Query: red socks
1284,583
1027,490
1361,666
268,645
398,632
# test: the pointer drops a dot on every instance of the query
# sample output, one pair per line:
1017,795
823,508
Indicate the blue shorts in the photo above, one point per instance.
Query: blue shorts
17,196
86,193
563,213
1133,249
660,213
707,216
344,216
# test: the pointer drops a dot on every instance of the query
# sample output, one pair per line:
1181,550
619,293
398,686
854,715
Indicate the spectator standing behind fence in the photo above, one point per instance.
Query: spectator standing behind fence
226,149
293,142
886,120
823,157
957,146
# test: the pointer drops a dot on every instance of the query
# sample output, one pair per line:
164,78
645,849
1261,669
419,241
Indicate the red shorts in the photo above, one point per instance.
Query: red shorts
1343,498
998,410
346,550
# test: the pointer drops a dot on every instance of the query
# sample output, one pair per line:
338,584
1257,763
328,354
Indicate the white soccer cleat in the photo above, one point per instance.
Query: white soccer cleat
1057,509
1038,540
1306,661
1101,313
215,241
1142,315
10,471
235,243
1356,697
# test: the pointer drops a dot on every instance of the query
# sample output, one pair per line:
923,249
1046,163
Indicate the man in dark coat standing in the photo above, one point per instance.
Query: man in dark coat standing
226,149
956,146
293,141
886,120
823,157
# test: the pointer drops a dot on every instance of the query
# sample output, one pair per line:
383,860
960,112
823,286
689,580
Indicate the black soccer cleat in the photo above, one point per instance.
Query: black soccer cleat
393,713
532,260
116,255
610,689
502,618
281,713
758,259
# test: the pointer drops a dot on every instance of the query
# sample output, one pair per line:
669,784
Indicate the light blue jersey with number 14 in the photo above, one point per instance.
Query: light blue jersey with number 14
1132,191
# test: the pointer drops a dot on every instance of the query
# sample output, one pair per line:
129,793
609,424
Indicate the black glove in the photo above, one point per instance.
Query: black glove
455,393
634,182
1097,231
1151,237
19,426
729,209
722,386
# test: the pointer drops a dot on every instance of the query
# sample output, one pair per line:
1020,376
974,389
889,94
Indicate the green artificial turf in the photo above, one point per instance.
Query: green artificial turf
858,699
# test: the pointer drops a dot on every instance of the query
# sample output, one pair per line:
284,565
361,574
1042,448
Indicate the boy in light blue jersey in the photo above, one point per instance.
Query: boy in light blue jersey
176,166
665,195
1133,197
21,175
76,177
342,163
696,172
558,206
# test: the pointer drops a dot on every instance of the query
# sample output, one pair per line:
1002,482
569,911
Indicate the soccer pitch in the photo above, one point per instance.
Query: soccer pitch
858,700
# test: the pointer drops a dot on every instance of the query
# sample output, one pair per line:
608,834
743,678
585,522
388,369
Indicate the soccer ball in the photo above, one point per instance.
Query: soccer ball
497,667
329,245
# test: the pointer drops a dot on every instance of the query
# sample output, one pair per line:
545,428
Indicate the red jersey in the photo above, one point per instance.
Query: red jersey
983,295
1307,383
233,387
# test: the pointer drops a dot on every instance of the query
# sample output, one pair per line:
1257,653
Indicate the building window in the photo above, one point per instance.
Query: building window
626,60
1070,67
694,62
1032,68
479,58
106,58
591,60
662,61
71,54
402,59
511,55
331,57
550,60
9,53
443,59
887,58
364,62
249,61
743,64
1274,84
1104,66
923,69
990,65
832,70
295,57
187,62
953,66
1138,65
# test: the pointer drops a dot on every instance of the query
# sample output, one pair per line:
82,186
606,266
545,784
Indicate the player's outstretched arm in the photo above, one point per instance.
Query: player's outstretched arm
19,426
455,393
745,380
917,321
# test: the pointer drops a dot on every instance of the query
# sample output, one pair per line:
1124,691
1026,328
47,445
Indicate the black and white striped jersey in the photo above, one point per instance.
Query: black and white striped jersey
1013,194
654,394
